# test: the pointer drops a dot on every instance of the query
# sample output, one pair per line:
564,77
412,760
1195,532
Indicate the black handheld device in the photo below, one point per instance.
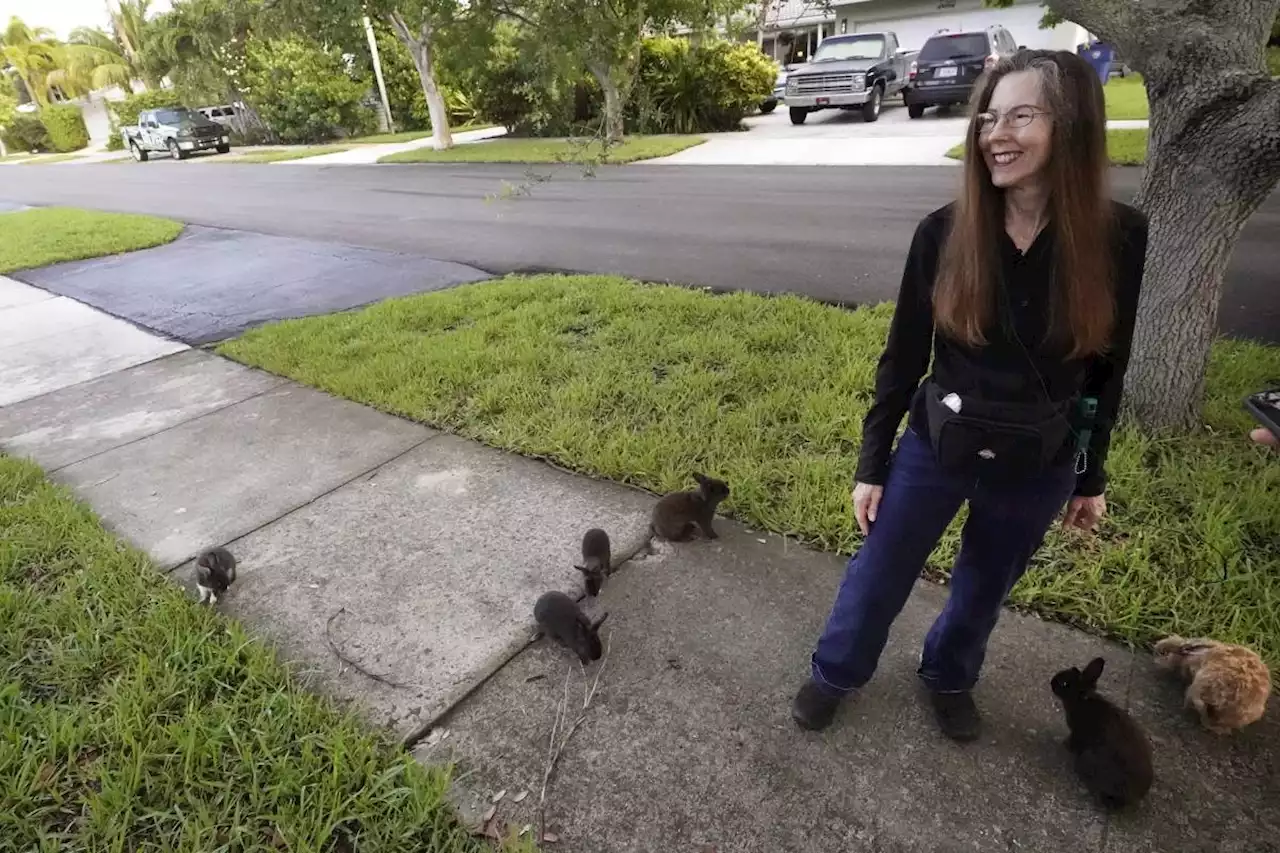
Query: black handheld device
1265,407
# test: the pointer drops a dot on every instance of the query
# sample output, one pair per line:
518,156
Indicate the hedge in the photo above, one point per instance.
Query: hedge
65,124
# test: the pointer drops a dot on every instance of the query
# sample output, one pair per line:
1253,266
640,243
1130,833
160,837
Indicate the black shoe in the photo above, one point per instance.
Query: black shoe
957,715
813,707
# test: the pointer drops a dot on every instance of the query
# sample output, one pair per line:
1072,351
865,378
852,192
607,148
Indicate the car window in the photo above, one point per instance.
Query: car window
177,116
957,46
866,47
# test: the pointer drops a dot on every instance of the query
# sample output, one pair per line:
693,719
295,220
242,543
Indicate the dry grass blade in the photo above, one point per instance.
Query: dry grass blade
554,749
333,647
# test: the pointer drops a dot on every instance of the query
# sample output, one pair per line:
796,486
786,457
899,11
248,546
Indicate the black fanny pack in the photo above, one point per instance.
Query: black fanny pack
1008,440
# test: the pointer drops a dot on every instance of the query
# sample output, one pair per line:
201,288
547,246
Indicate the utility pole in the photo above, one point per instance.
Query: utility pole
377,73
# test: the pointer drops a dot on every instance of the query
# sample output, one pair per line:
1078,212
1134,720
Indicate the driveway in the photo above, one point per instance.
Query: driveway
839,138
213,283
832,138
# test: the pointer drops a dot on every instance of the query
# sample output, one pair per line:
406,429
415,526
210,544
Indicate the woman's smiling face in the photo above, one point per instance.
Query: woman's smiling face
1015,134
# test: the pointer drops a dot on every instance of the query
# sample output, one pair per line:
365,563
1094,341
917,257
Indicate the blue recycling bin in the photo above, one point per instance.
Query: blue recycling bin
1100,55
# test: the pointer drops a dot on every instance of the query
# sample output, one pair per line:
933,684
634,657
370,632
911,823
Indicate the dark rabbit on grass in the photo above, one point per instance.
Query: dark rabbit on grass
676,514
595,559
563,621
1112,752
215,572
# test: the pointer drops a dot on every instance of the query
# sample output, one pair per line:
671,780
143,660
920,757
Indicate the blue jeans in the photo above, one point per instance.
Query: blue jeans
1006,525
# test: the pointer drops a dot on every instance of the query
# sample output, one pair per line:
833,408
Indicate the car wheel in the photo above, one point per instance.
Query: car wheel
137,153
175,152
871,109
799,114
223,149
915,110
768,106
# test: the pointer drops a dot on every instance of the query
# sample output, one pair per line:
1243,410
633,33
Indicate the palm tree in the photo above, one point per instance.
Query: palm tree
92,60
133,33
33,54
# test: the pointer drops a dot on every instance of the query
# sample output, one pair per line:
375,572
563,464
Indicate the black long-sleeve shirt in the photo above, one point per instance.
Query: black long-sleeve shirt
1002,369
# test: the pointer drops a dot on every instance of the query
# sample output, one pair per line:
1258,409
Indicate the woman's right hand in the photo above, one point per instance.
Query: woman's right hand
866,501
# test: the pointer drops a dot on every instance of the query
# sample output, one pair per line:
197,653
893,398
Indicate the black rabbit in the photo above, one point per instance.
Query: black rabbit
215,572
560,619
676,513
595,559
1112,752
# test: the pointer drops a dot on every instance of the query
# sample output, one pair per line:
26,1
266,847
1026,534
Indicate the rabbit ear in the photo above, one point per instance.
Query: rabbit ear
1091,673
700,478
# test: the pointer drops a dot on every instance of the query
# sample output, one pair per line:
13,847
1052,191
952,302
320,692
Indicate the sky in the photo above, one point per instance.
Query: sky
63,16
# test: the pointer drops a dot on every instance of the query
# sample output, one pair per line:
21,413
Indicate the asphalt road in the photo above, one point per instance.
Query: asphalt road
834,233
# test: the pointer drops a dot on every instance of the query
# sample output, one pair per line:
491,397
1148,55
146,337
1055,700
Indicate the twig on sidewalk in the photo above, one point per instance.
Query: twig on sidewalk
333,647
555,750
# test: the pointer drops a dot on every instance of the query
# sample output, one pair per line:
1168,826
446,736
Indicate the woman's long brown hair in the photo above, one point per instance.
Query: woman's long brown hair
1080,211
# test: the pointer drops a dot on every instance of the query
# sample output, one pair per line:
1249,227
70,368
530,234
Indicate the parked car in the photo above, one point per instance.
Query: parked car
949,65
223,114
176,130
779,93
856,71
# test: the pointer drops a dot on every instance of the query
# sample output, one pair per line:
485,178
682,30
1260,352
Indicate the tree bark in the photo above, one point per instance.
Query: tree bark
614,122
420,48
1213,157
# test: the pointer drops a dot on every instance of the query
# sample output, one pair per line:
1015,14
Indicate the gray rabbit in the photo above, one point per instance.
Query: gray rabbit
215,572
595,559
677,514
563,621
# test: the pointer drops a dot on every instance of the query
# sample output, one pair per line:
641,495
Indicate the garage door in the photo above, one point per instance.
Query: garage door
1022,22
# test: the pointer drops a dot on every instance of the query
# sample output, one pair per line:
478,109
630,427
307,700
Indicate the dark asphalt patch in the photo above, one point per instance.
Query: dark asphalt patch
211,284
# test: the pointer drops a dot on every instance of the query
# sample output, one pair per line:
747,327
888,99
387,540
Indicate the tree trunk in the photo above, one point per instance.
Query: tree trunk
1213,157
420,49
614,123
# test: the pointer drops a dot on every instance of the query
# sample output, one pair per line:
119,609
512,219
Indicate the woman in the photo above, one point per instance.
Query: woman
1030,280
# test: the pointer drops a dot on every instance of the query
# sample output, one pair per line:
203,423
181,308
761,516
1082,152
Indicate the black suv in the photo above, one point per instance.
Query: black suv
950,63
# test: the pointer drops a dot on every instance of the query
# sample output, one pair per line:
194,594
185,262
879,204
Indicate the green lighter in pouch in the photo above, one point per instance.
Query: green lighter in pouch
1088,411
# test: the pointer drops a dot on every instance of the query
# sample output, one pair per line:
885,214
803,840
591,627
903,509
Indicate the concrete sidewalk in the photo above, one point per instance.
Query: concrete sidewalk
371,543
365,154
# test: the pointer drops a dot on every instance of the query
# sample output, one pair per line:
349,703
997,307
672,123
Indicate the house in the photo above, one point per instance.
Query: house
915,20
789,30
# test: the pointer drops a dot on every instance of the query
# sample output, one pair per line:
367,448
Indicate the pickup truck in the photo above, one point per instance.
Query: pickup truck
175,130
856,71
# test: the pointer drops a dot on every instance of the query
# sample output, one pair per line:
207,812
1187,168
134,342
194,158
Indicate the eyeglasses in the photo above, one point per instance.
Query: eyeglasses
1016,117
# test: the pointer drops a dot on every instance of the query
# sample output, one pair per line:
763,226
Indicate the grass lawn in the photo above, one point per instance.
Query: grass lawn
503,150
133,719
287,154
1126,147
1126,98
47,235
411,135
645,384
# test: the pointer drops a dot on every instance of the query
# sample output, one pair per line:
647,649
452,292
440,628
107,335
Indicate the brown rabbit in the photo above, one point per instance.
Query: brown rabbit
1229,684
676,513
595,559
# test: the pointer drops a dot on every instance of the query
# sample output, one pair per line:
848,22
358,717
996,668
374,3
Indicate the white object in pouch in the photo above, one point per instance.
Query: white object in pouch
952,402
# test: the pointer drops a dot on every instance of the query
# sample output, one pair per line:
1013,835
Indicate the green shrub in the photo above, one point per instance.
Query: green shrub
26,133
304,92
8,100
65,124
532,92
1273,61
681,88
124,113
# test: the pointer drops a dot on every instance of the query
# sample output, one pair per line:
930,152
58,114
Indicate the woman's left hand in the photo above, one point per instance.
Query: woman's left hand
1085,513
